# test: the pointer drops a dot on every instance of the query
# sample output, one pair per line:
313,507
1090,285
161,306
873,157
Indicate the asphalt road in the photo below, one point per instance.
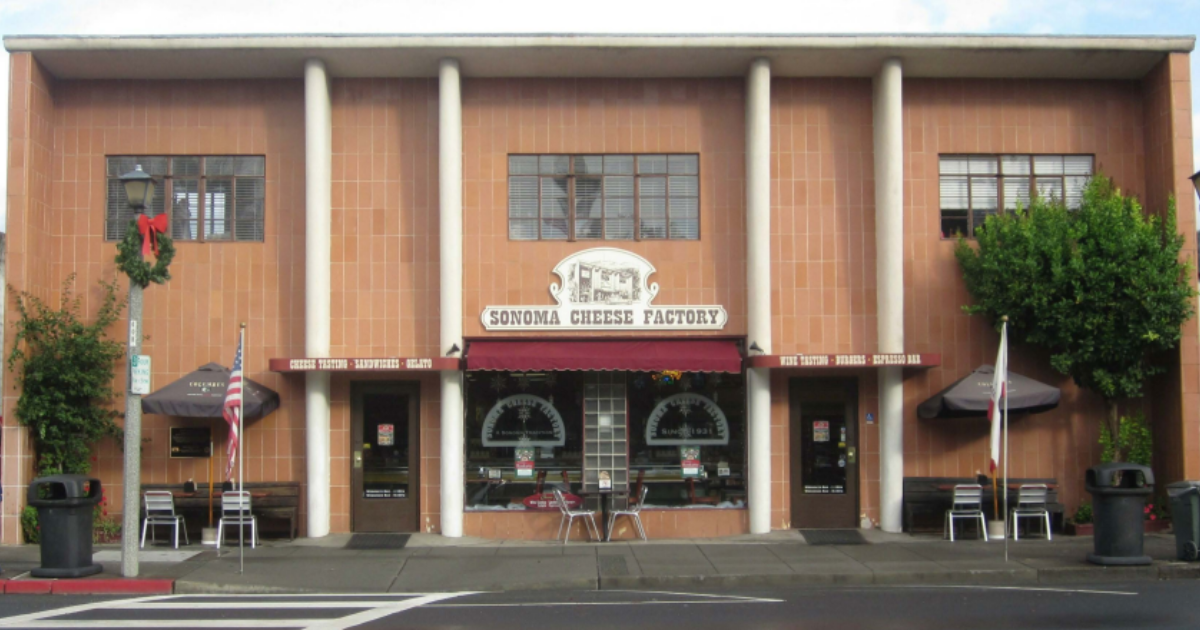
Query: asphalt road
1158,605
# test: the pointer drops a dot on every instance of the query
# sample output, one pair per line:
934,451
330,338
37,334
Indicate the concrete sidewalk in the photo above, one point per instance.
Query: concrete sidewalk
434,564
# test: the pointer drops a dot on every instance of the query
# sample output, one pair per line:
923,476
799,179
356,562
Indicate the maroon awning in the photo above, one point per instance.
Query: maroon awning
685,355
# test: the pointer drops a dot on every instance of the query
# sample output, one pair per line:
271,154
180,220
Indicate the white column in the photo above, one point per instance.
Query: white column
758,289
450,261
318,181
889,245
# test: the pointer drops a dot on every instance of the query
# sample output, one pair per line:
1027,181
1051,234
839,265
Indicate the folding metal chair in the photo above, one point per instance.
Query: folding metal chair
634,514
967,503
569,516
160,511
1031,503
235,510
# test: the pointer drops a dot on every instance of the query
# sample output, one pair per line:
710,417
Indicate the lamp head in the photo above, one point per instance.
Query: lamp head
139,188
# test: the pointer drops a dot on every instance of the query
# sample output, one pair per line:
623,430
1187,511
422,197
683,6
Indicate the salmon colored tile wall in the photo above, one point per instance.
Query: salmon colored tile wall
503,117
823,216
999,116
193,319
1168,133
384,273
658,524
30,155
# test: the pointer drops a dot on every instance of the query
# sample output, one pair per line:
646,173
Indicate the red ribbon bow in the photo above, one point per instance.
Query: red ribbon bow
150,229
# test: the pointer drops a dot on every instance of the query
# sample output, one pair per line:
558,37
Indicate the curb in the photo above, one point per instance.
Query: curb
106,586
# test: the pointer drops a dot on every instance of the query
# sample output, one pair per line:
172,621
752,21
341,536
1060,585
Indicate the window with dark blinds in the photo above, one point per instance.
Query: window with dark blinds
972,187
603,197
212,198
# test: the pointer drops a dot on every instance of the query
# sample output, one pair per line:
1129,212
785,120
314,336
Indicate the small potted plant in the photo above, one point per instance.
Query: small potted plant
1157,519
1081,523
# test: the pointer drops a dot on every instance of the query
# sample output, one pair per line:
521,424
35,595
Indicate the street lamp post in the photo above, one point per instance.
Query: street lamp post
139,190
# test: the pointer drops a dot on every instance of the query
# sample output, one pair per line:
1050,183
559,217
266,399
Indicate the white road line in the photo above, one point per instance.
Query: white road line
301,595
1023,588
706,602
22,620
755,599
248,605
168,623
381,612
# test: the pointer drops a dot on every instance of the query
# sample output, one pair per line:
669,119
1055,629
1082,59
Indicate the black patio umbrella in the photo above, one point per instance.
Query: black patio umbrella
970,396
201,394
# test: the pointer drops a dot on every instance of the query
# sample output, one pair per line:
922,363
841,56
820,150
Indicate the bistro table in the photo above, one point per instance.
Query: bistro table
603,496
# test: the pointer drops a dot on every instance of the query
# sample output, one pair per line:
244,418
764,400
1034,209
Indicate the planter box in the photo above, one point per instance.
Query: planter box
1157,526
1074,529
1087,529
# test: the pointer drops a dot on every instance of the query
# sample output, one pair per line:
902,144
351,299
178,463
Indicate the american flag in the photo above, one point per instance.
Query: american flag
232,411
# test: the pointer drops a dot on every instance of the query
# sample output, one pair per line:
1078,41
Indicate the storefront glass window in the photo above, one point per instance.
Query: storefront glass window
687,438
686,435
523,434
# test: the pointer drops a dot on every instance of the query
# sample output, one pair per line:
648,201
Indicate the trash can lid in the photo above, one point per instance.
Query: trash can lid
1099,476
62,487
1181,486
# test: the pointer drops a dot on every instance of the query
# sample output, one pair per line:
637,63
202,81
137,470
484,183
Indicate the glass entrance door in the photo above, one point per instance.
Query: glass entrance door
385,465
824,454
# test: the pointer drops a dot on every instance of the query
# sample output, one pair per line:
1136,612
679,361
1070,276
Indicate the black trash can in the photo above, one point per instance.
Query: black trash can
65,504
1185,518
1119,493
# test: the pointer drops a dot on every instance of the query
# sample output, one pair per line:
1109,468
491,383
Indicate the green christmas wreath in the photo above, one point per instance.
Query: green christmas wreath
129,257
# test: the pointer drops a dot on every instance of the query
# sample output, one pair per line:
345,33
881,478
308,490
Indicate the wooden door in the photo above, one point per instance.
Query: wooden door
385,464
824,453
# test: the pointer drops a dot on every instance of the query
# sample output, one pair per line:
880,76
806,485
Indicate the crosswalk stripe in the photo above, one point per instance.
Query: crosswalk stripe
21,620
381,612
370,607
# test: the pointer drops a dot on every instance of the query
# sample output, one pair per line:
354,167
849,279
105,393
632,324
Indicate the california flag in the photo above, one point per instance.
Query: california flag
999,383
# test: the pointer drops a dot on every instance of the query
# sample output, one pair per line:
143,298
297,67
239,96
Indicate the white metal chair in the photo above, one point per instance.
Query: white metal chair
634,514
1031,503
160,511
235,511
569,516
967,503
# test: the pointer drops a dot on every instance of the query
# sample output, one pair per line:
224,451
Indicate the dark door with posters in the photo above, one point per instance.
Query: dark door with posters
824,447
384,464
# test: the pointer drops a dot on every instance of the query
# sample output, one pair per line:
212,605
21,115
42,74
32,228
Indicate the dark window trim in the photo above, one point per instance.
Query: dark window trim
999,177
165,188
637,204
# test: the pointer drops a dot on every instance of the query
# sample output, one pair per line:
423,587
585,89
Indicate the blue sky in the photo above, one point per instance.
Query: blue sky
162,17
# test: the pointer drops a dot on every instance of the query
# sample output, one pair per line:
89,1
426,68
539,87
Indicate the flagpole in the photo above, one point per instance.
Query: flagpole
241,449
1006,523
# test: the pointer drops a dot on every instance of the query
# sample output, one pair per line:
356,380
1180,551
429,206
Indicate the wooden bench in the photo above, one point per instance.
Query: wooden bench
281,501
932,495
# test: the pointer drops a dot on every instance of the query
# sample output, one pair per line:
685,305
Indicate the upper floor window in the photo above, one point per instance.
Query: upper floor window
609,197
975,186
212,198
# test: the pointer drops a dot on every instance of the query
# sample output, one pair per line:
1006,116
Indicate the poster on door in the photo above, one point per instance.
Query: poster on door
387,435
821,431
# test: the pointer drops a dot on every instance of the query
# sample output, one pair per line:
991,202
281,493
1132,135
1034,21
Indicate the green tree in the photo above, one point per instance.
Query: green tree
66,375
1102,288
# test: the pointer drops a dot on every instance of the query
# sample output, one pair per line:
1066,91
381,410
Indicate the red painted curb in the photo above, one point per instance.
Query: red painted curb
104,586
28,587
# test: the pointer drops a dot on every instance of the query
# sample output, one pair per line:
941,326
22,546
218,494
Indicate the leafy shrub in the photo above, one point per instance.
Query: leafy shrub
1135,441
1083,515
